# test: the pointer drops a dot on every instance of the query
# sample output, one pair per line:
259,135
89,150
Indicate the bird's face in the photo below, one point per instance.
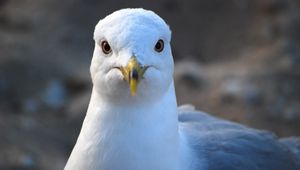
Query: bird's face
132,57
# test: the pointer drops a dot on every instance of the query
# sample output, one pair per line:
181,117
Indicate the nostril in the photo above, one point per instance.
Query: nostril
134,74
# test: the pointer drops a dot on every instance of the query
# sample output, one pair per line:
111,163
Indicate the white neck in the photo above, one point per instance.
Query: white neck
142,137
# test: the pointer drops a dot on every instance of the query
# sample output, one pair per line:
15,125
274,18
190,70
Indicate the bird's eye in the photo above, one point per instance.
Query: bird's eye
105,47
159,46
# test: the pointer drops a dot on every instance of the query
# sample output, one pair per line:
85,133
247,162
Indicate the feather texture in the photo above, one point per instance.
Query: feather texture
230,146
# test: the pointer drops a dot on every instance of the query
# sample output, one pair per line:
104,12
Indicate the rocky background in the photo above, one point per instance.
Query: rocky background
236,59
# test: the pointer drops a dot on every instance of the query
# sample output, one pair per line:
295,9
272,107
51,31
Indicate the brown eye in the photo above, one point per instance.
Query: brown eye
159,46
105,47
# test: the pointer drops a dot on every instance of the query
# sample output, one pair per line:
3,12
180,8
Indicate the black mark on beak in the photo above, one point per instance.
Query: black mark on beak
134,74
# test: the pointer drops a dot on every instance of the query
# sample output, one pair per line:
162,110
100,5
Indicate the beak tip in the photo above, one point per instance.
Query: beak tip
133,86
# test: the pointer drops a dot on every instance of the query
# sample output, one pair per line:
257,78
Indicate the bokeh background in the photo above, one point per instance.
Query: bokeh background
236,59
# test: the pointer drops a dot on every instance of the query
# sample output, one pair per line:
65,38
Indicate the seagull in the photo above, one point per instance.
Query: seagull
133,121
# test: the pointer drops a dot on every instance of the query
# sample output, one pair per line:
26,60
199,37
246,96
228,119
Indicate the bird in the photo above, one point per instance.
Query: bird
133,121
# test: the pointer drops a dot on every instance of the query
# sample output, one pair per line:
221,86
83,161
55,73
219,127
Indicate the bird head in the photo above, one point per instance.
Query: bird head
132,56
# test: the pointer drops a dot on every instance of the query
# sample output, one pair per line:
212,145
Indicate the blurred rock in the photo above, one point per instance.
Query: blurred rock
232,89
3,84
171,5
239,89
55,94
28,123
253,96
271,7
78,81
2,3
189,74
17,159
31,105
26,161
77,106
292,113
292,49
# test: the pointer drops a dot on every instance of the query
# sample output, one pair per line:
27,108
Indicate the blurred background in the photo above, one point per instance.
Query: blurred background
236,59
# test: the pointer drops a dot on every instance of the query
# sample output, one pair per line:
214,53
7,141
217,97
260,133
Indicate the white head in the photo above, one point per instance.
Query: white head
132,47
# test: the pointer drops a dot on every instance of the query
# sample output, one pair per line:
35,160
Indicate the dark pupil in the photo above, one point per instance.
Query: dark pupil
106,46
158,45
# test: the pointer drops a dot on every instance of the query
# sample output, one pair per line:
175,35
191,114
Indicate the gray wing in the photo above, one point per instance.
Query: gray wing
226,145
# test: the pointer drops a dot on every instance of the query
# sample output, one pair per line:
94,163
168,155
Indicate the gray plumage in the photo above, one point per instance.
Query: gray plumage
226,145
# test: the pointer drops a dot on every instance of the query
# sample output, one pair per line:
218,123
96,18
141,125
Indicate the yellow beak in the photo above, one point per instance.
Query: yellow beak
133,73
